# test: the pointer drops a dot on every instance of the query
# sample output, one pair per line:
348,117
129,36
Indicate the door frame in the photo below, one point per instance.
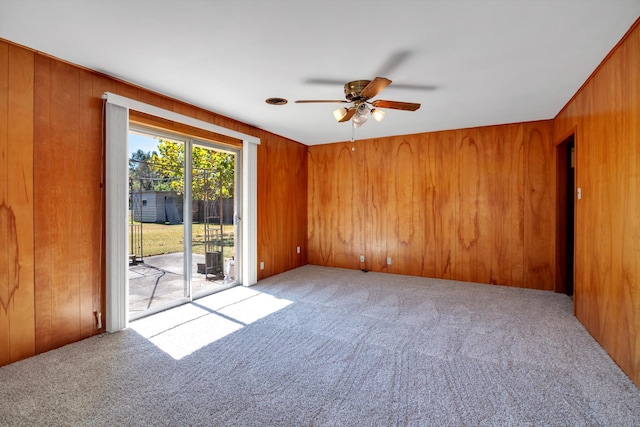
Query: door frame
116,171
562,158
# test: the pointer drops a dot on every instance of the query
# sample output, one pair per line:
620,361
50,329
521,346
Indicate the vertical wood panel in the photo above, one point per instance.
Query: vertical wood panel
446,209
5,245
499,177
406,212
62,184
42,204
428,168
321,190
20,196
486,140
628,292
89,206
17,329
468,193
458,262
345,240
299,185
539,254
376,203
516,203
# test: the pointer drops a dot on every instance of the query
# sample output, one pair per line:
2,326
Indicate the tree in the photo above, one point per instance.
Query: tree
140,174
212,171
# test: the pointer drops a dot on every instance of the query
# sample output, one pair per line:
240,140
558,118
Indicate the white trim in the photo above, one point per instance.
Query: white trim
187,218
237,214
117,171
249,214
117,128
132,104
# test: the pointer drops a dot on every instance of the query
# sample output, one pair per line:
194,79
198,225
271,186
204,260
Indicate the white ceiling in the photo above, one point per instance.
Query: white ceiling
468,62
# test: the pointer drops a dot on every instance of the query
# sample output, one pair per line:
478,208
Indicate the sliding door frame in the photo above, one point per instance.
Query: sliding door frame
117,155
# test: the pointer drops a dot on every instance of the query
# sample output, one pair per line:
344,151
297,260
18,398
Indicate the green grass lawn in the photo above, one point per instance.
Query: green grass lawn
160,239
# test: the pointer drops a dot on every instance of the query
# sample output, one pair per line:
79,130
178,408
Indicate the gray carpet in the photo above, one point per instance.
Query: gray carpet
328,347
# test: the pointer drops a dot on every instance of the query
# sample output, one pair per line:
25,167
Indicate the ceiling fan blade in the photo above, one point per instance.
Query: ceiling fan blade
309,101
319,81
393,62
414,87
374,87
395,105
350,112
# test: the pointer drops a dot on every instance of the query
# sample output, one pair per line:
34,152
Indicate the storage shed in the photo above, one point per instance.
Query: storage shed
157,206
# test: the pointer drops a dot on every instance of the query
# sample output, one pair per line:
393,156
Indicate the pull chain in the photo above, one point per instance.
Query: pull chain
353,132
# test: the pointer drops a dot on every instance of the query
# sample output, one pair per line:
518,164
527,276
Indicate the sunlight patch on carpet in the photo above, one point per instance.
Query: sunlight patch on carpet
184,330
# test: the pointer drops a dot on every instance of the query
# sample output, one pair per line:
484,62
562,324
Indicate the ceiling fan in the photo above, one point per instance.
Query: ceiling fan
359,92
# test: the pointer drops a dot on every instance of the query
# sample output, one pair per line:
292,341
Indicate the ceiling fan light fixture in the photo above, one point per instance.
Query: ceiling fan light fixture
377,114
359,119
363,109
340,113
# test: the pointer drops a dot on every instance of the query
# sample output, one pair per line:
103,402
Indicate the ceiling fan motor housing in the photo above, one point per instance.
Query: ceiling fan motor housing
352,89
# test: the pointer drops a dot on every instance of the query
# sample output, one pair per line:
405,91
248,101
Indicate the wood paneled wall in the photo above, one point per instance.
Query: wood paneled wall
471,204
605,116
52,203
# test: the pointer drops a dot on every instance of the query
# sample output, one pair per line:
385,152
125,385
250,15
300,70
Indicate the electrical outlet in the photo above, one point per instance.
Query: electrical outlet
388,260
361,258
298,249
261,265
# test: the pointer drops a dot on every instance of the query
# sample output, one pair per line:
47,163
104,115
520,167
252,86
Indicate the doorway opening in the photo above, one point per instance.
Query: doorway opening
182,220
565,221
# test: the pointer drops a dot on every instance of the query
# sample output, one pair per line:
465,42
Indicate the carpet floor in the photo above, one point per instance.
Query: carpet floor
320,346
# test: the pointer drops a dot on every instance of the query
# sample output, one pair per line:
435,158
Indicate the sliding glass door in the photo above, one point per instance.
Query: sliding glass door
213,233
182,220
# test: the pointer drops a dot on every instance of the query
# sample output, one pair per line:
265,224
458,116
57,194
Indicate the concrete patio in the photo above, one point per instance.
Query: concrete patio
159,280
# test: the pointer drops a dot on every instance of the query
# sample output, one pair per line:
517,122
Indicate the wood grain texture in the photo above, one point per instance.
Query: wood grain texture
334,184
376,221
428,165
67,203
468,196
17,329
499,217
282,205
539,264
405,240
446,204
42,202
605,114
6,257
515,190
